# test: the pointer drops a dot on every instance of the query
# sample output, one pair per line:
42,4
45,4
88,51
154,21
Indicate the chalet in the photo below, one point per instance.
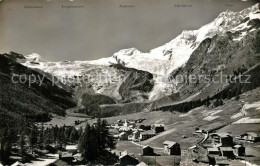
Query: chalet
222,139
226,152
250,136
239,150
212,160
123,136
71,148
136,135
146,135
213,151
127,159
171,148
148,151
145,127
158,128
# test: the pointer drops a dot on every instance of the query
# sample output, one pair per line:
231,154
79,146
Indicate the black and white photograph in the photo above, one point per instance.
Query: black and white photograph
129,82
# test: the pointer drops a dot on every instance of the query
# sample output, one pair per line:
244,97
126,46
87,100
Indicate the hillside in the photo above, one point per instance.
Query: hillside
35,100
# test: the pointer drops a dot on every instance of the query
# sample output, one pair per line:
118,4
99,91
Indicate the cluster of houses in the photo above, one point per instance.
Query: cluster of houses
223,144
249,137
170,148
129,131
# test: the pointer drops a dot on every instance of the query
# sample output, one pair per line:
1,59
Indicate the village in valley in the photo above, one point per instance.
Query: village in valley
211,149
202,136
216,146
162,138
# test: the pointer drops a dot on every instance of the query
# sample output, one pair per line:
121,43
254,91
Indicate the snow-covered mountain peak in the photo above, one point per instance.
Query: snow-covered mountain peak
170,56
251,9
129,51
34,58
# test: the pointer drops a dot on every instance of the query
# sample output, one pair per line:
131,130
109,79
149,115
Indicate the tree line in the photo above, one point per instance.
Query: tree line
26,138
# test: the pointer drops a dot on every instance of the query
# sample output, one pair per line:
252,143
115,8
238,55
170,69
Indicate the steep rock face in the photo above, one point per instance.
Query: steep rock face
85,77
136,86
218,59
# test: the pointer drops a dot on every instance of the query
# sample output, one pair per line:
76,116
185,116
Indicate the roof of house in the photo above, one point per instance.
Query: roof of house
66,154
71,147
121,134
226,149
169,143
124,128
212,149
145,147
158,125
222,135
78,156
254,134
124,153
136,131
127,155
145,125
237,146
148,133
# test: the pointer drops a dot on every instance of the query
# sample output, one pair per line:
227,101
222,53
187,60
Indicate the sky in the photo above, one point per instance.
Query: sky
95,29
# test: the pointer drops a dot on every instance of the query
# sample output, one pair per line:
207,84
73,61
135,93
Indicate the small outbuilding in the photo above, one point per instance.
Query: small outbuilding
227,152
146,135
213,151
136,135
158,128
123,136
145,127
126,159
148,151
239,150
222,139
251,136
172,148
71,148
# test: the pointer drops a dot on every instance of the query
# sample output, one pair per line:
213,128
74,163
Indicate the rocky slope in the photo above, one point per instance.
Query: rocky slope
29,93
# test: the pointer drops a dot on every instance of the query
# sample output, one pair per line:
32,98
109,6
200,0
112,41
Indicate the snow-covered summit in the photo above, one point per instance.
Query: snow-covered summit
34,58
170,56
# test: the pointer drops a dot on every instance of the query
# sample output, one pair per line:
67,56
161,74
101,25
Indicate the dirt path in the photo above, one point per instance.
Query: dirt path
206,136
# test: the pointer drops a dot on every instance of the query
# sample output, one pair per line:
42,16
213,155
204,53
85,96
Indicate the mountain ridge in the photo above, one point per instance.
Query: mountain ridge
161,62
